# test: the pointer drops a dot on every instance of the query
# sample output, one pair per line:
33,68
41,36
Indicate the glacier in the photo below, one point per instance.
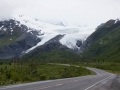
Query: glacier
48,31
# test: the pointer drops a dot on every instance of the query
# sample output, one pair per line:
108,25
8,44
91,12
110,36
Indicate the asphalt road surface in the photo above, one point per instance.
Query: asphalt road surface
101,81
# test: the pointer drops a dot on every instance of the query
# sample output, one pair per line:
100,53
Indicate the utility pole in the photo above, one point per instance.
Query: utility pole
21,64
14,62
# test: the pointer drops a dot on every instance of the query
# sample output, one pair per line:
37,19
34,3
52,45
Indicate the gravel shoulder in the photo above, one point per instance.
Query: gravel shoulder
116,84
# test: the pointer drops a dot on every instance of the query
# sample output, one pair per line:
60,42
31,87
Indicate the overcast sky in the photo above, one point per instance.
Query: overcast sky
82,12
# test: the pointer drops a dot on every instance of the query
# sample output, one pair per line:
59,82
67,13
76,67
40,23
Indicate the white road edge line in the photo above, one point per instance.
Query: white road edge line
99,82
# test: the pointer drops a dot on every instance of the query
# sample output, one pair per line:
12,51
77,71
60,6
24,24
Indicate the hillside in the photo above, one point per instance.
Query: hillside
104,43
54,56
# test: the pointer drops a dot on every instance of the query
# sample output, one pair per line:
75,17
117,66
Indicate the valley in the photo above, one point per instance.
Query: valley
59,45
28,45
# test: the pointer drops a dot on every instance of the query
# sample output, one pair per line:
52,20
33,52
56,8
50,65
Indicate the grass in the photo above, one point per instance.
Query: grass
7,40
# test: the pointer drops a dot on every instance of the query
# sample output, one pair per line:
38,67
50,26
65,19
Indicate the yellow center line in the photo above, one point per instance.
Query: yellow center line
49,87
58,85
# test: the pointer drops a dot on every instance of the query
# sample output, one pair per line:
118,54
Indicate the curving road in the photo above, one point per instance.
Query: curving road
101,81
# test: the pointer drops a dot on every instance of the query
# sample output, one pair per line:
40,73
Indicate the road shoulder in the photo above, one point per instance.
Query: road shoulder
116,84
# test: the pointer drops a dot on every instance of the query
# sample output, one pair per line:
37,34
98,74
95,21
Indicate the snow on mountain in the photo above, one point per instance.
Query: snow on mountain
62,24
70,40
49,31
117,20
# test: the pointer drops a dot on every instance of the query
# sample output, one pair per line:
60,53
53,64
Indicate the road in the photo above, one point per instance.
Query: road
101,81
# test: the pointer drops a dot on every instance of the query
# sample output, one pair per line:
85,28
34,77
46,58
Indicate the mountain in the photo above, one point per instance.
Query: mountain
104,43
22,34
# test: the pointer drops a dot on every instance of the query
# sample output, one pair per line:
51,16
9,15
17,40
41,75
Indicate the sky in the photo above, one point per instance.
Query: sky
81,12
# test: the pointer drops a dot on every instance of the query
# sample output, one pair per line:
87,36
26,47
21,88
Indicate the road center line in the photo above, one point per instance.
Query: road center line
49,87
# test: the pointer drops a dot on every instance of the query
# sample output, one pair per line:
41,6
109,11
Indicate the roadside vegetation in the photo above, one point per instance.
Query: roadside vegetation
23,72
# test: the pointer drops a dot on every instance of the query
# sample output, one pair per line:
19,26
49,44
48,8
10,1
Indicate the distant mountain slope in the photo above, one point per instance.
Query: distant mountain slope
104,43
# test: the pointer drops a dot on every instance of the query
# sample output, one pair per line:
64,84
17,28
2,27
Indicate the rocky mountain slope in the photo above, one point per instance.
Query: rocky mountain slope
15,38
22,34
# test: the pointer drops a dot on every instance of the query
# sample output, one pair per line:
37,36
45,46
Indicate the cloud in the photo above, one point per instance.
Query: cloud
5,10
86,12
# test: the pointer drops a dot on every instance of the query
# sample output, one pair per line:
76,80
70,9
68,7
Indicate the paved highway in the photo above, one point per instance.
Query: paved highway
101,81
